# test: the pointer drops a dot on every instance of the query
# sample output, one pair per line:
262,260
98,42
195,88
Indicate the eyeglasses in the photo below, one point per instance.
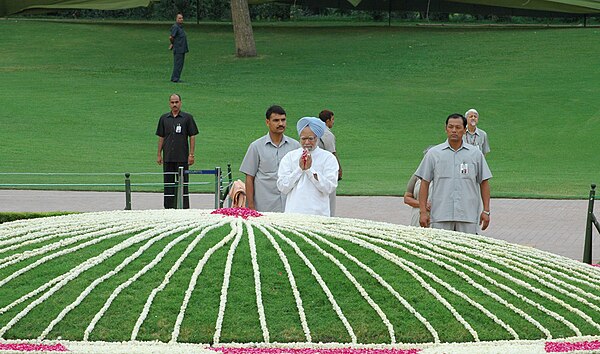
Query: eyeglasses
309,138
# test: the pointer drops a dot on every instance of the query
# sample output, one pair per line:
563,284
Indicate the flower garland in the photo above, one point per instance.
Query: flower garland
225,287
168,276
291,279
243,213
236,230
257,287
354,282
323,285
472,258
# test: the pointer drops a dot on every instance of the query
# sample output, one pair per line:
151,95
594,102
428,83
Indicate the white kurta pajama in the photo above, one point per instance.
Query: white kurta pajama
305,193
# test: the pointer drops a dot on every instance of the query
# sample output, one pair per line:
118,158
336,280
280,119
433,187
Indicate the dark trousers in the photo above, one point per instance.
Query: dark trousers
170,201
178,59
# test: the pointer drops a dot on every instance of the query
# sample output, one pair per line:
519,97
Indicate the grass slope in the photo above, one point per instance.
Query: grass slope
331,261
85,97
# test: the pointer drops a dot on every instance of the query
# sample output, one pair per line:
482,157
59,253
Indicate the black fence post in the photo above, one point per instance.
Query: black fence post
218,187
180,188
127,192
587,246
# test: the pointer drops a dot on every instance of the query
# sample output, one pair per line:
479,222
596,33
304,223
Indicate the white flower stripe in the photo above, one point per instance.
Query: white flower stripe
257,284
235,231
354,282
291,279
27,255
323,285
75,272
225,287
487,267
114,294
60,277
167,278
384,283
546,272
41,236
462,255
18,257
500,261
407,268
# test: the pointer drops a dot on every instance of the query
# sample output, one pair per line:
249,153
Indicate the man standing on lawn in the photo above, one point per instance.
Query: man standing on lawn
179,46
474,135
327,142
460,177
262,162
308,175
174,130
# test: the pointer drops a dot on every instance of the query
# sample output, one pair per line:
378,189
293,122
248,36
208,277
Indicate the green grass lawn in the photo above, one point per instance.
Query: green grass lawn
101,270
86,97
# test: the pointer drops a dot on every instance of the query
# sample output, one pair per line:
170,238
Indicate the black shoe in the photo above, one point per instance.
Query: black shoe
174,80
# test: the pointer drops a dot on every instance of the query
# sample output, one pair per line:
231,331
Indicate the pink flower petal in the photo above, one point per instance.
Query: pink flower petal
565,347
229,350
28,347
244,213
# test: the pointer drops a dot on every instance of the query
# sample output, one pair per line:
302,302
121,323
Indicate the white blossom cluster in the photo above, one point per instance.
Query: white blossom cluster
513,277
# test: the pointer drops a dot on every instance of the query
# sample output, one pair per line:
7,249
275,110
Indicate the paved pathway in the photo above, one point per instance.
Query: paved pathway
556,226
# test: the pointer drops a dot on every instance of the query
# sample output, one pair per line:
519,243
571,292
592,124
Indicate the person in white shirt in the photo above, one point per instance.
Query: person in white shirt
309,174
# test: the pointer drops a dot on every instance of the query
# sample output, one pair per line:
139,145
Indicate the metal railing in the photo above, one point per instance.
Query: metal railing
221,187
592,220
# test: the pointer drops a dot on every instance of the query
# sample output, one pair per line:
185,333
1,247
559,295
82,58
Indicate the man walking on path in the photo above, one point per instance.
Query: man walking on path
174,130
179,46
327,142
460,177
262,162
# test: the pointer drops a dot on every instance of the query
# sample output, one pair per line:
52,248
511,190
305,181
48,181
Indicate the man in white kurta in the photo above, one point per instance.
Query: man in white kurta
309,174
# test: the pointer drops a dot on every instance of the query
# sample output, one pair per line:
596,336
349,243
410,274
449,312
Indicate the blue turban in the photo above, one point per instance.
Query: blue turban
315,124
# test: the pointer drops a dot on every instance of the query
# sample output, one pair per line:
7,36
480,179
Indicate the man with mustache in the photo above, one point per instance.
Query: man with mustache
176,132
460,177
262,161
308,175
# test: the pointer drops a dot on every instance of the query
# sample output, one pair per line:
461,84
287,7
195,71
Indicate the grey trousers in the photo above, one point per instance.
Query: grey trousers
466,227
178,59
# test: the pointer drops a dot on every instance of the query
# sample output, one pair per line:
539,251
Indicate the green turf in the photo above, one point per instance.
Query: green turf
86,97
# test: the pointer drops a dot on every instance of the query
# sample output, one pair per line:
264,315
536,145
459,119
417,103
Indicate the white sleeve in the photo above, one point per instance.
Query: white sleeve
289,173
327,179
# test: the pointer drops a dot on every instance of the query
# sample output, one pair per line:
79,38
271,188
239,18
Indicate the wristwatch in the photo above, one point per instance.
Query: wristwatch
486,212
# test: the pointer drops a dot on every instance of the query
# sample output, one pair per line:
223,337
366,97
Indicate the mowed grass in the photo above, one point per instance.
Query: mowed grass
86,97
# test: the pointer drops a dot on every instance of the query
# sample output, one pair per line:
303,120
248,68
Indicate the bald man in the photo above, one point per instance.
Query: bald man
308,175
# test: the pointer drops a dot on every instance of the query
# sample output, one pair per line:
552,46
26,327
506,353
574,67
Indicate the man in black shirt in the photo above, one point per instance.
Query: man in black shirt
179,46
174,129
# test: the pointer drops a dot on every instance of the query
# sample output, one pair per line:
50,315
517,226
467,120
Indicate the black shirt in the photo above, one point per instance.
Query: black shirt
175,131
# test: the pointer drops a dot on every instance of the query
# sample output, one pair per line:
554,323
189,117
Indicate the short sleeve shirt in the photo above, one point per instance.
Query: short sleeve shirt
175,131
327,141
456,177
180,44
262,161
479,139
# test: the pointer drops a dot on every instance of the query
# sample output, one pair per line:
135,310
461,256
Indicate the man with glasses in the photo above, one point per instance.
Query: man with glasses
308,175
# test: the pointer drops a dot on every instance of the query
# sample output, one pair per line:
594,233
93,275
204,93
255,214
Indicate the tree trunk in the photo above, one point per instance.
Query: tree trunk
242,29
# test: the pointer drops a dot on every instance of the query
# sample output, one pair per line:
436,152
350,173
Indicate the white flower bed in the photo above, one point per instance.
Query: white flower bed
483,271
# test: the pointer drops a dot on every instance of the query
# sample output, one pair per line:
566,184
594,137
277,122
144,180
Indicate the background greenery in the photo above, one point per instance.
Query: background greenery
86,96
